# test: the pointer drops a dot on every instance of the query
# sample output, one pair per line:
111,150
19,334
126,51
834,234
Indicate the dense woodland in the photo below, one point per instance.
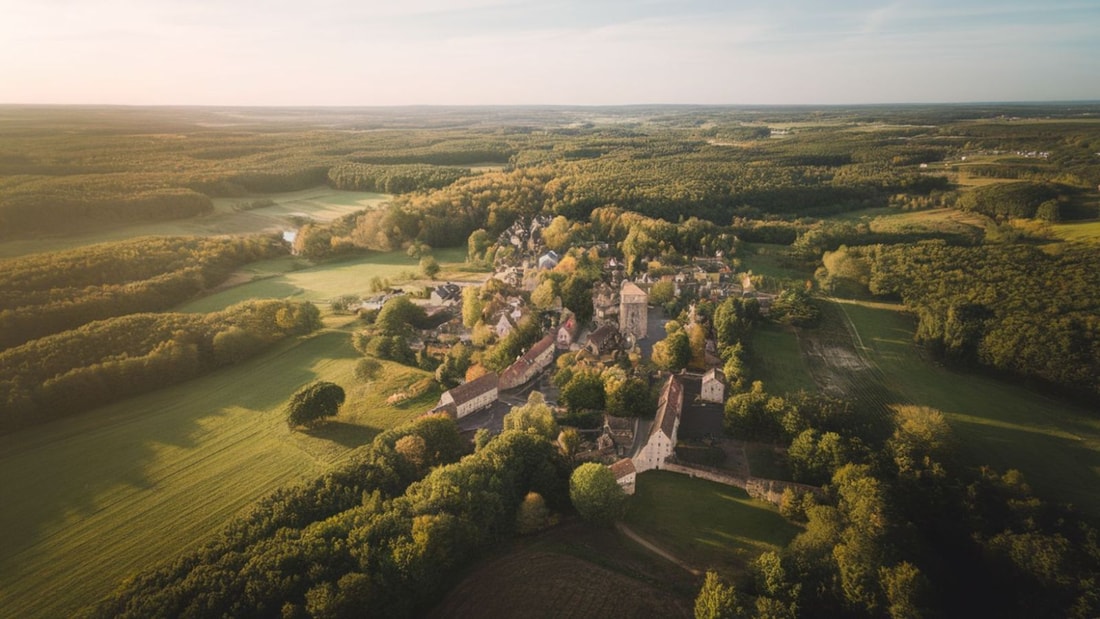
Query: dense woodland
901,529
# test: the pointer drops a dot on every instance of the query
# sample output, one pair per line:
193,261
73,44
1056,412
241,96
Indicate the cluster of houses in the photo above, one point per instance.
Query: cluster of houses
620,320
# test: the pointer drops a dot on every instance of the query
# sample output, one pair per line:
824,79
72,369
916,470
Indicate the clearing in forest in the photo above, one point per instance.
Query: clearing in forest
1055,444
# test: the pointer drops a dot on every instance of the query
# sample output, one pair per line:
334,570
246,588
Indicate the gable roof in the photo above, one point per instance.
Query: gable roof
600,336
669,406
448,291
714,374
622,468
471,389
527,360
631,289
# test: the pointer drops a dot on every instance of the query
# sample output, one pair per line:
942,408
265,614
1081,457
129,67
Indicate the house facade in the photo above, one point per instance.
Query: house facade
625,474
567,332
713,388
661,443
471,396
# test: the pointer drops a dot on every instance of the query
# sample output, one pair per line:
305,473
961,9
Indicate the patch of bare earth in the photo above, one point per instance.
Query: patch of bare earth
572,571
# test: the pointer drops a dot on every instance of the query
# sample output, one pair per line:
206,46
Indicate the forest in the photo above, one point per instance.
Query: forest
951,212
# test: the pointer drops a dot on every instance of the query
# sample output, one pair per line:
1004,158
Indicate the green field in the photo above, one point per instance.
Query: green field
1080,231
91,499
318,204
770,260
778,362
705,524
1056,445
279,279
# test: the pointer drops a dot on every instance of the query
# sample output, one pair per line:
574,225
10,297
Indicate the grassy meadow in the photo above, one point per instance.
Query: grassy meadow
703,523
1055,444
318,204
292,278
91,499
1088,231
778,362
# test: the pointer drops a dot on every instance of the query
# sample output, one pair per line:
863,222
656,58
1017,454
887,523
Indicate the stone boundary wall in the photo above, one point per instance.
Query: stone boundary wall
770,490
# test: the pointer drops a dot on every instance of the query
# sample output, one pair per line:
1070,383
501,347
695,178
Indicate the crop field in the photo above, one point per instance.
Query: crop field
1055,444
319,204
571,571
91,499
284,278
703,523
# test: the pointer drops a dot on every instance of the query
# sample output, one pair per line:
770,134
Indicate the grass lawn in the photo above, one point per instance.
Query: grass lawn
1056,445
284,278
91,499
778,361
319,204
705,524
1080,231
770,260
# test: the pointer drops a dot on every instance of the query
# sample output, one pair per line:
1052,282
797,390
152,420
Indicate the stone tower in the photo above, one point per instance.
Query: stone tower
632,310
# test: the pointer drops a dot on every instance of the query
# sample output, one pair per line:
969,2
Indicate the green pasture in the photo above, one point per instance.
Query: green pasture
283,278
1055,444
771,260
1088,231
318,204
92,499
703,523
777,361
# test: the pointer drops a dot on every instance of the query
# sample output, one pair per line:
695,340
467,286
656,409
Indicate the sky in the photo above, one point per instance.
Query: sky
557,52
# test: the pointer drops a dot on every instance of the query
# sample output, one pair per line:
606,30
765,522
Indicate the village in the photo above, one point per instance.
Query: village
623,329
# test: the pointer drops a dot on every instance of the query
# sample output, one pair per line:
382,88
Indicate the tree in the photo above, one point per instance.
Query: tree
584,391
471,306
569,442
532,515
595,494
662,292
476,244
534,416
314,402
717,600
674,352
542,297
429,267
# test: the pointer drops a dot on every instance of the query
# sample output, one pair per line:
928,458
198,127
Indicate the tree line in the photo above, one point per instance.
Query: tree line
108,360
49,293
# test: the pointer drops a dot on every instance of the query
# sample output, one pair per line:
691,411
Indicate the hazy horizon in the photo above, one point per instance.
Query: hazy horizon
337,53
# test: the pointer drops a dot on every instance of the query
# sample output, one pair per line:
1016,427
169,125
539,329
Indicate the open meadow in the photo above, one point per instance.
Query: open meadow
705,524
91,499
1055,444
321,204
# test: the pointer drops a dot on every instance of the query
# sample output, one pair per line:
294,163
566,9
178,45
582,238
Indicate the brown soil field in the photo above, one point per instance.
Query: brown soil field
571,571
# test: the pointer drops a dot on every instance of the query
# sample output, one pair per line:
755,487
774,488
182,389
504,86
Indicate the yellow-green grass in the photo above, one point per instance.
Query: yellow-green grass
771,260
1079,231
777,361
92,499
703,523
319,204
276,279
887,219
1055,444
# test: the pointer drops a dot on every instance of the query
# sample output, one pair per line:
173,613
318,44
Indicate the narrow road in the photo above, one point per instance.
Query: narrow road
654,549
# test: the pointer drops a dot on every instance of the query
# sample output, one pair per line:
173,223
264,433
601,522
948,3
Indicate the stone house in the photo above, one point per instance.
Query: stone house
568,330
604,340
471,396
625,474
713,387
661,443
535,360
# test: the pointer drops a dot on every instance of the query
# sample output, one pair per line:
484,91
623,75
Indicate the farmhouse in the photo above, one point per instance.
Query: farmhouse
535,360
662,437
604,340
714,386
625,474
470,396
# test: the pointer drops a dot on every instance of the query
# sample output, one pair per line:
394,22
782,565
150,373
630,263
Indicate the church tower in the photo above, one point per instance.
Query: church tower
632,310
